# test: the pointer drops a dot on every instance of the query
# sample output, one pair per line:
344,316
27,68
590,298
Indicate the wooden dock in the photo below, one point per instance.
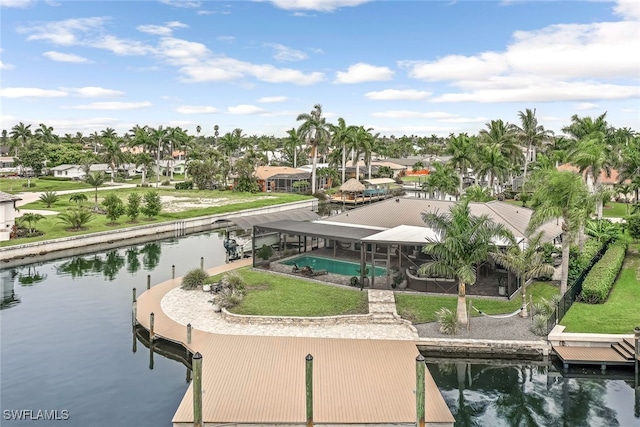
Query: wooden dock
260,380
620,353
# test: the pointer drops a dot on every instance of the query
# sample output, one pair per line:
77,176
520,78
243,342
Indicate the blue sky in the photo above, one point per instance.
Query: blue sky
400,67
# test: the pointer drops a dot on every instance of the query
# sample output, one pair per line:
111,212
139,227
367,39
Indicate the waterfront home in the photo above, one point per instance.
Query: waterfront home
7,214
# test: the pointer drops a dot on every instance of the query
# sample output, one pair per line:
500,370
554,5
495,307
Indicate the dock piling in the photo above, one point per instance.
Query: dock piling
197,390
151,321
201,263
148,281
309,388
173,271
134,310
636,336
188,333
420,368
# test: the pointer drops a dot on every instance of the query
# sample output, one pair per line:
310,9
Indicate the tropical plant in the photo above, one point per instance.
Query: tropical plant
526,260
133,206
152,204
442,180
463,242
113,155
314,129
194,278
475,193
75,218
265,252
633,226
49,198
603,230
447,321
95,179
561,195
531,135
32,220
601,277
114,206
462,150
233,281
78,198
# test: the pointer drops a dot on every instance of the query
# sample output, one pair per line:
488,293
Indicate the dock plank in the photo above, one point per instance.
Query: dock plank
589,355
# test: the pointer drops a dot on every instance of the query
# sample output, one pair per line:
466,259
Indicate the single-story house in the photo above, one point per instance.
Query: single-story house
7,214
68,171
7,166
166,166
284,178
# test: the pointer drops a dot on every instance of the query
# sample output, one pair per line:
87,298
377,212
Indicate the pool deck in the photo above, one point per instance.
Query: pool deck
257,377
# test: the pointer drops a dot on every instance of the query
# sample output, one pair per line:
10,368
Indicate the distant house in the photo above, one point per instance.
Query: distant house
7,166
607,181
68,171
7,214
166,166
78,171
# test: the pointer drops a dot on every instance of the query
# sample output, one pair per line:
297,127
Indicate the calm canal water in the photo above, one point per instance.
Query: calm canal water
67,345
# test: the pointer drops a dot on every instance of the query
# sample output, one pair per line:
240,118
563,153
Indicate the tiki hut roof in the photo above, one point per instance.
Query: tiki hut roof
352,186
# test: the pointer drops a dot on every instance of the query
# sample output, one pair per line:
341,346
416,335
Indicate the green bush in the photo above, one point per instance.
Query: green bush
354,281
185,185
265,252
539,325
233,281
165,183
114,206
602,276
194,278
579,260
152,204
55,178
448,321
28,185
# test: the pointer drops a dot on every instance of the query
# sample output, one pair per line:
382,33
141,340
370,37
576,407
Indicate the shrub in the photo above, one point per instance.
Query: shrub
265,252
539,325
229,298
448,321
185,185
133,206
28,185
55,178
354,281
600,279
152,204
233,281
49,198
194,278
114,206
579,260
633,226
165,183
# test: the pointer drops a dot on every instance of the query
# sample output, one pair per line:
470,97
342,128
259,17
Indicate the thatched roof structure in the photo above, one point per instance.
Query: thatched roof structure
352,185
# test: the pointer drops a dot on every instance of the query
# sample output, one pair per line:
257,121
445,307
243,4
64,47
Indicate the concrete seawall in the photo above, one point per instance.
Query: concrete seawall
68,246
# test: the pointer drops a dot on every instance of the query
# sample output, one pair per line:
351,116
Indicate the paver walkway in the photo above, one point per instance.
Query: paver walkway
194,307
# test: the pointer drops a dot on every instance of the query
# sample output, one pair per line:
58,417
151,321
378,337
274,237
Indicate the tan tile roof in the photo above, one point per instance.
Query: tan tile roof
604,179
266,172
407,211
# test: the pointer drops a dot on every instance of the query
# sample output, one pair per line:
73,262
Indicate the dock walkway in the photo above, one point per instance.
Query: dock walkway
251,379
620,353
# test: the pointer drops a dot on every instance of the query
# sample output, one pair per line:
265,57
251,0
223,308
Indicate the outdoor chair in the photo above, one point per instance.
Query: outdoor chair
311,272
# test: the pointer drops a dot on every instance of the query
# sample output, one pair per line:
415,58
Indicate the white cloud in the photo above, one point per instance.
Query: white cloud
64,33
96,92
113,105
284,53
395,94
121,46
245,109
227,39
66,57
182,3
586,106
16,3
319,5
270,99
30,92
176,24
405,114
4,66
563,62
196,109
157,30
361,72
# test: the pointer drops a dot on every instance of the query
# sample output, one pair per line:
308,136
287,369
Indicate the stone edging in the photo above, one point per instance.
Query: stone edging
484,347
297,321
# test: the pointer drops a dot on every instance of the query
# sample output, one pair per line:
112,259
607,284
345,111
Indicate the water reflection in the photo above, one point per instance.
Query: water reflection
9,297
151,255
30,276
532,395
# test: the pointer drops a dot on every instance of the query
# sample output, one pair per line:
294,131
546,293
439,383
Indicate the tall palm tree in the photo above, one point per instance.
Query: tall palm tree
360,144
45,134
531,135
561,194
314,129
113,155
341,135
442,179
463,242
526,261
491,161
629,168
592,156
159,136
95,180
291,143
583,126
462,150
22,133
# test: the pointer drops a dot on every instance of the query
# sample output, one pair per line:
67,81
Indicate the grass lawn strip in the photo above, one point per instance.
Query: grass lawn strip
620,313
276,295
14,185
422,308
227,201
615,210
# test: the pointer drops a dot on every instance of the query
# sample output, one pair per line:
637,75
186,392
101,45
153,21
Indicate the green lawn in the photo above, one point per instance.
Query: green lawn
53,228
620,313
422,308
14,185
275,295
615,210
413,178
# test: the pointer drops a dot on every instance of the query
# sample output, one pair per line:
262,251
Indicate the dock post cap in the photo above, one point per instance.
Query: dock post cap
419,358
309,357
197,355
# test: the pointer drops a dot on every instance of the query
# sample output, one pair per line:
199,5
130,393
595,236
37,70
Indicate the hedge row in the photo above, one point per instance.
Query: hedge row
55,178
599,281
581,258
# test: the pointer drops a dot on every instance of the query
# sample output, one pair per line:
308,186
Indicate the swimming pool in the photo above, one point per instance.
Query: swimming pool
335,266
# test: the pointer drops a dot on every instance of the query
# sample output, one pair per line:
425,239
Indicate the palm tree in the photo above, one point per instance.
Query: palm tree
629,168
561,194
22,133
360,143
75,218
592,157
461,149
79,198
314,129
491,161
463,241
475,193
32,220
49,198
45,134
531,135
95,180
526,261
583,126
341,135
442,179
160,137
113,155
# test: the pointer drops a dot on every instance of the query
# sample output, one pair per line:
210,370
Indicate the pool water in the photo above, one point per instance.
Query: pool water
334,266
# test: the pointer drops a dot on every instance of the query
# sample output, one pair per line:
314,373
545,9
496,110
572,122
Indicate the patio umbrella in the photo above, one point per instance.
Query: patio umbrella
352,185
